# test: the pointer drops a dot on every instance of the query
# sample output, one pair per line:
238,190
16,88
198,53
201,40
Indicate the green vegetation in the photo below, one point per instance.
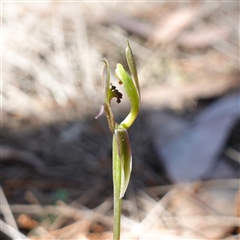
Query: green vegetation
121,149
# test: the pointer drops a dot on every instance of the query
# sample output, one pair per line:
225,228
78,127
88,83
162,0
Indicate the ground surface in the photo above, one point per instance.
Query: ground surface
56,158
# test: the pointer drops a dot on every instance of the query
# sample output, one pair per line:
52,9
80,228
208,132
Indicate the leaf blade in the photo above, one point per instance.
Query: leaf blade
125,156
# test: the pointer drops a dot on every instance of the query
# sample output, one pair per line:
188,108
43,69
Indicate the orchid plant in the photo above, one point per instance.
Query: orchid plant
121,149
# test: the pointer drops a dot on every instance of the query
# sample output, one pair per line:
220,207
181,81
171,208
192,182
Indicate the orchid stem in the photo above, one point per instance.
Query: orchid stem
116,185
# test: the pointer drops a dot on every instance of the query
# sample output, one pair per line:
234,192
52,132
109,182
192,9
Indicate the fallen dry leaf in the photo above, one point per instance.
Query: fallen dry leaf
205,38
200,215
170,26
26,222
131,25
205,86
193,148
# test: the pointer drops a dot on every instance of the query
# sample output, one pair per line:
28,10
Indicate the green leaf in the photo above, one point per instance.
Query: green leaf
125,156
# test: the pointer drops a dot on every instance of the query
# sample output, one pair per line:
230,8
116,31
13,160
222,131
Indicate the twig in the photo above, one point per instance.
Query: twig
6,211
233,154
208,219
83,50
156,211
12,232
222,183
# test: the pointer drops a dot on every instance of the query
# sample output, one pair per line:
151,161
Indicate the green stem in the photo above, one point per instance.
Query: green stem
116,189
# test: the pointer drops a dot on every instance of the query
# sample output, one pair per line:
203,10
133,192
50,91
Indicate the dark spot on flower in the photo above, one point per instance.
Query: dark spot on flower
115,93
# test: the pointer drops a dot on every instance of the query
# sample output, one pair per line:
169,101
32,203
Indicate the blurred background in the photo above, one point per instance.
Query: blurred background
56,180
